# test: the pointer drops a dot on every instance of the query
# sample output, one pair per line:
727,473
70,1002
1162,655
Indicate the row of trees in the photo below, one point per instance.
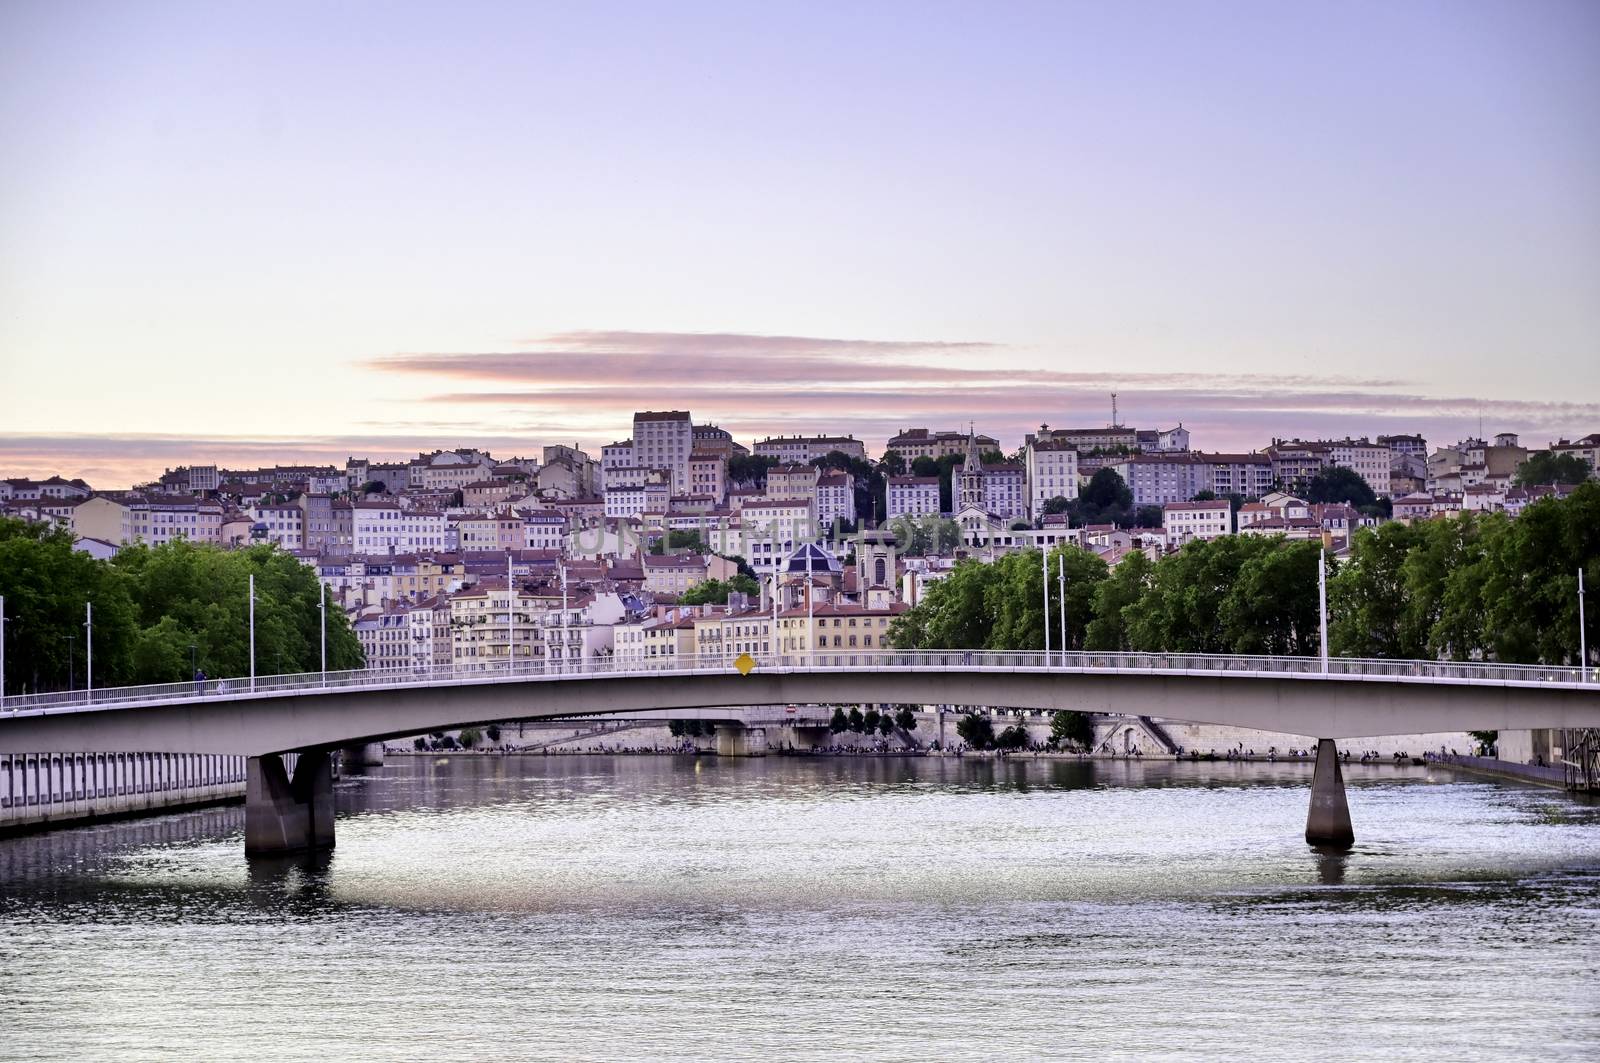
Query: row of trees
872,721
159,612
1067,728
1477,586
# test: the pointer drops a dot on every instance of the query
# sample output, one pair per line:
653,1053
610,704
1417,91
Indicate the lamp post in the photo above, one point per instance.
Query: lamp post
1322,603
88,644
1044,565
1583,635
252,631
811,625
322,615
1061,599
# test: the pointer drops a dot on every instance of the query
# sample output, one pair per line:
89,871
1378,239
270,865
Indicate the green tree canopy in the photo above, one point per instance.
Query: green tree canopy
1339,484
1547,467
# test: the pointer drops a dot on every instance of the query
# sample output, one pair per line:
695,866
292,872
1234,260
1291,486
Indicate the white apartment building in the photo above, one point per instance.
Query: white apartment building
165,518
912,496
545,531
771,530
664,440
635,501
1371,461
1052,470
836,498
385,638
1185,521
282,525
431,644
379,527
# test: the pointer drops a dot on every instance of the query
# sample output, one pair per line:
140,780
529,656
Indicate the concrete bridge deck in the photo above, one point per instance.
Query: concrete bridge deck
314,713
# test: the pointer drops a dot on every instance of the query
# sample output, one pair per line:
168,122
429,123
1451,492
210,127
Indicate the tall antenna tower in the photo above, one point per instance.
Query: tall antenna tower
1114,422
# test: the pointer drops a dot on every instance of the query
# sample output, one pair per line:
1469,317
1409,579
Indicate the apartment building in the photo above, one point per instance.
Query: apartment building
664,440
1052,472
912,497
1249,475
836,498
914,443
283,525
801,450
1186,521
381,526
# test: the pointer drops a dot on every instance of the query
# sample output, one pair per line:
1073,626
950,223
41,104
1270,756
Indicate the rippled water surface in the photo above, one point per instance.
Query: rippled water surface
610,908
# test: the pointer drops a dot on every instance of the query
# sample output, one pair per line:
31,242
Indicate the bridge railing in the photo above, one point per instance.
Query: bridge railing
822,660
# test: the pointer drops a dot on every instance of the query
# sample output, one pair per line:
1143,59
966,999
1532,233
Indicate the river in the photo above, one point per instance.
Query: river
572,908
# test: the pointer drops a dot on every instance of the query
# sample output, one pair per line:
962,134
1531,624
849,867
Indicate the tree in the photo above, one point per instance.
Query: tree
716,591
1340,485
749,470
905,717
1486,741
886,725
1547,467
840,722
928,535
675,728
1057,504
1106,490
975,730
373,487
869,723
1116,602
470,736
858,723
493,732
1013,737
1073,727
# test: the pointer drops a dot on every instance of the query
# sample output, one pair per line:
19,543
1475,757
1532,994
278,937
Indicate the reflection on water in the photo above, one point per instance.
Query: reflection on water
593,907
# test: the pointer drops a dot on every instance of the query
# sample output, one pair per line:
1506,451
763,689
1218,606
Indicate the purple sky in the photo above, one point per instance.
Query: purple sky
233,232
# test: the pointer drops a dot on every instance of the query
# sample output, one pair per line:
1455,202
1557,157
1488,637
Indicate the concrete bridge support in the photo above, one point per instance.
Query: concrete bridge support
737,740
1328,822
368,755
284,815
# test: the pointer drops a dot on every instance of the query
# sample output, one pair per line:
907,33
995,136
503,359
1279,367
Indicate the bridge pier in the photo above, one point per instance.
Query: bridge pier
284,815
1328,822
366,755
737,740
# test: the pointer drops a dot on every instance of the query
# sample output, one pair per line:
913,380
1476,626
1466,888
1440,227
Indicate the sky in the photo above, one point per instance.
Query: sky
246,233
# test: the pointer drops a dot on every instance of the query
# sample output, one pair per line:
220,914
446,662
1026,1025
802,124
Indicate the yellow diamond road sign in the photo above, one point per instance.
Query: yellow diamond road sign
746,664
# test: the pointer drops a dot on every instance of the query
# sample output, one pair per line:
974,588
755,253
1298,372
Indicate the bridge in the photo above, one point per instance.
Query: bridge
316,713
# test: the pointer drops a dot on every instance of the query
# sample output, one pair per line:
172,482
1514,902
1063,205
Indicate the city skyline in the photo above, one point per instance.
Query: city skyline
258,236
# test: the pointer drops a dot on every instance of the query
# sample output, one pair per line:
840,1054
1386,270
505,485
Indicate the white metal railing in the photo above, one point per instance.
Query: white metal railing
1343,668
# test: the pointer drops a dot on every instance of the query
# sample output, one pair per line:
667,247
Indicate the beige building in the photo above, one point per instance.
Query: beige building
834,627
914,443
